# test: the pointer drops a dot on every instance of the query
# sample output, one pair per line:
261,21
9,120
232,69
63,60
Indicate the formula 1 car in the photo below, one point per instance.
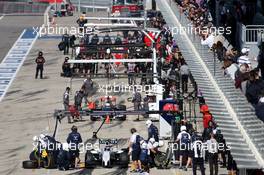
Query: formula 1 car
108,103
107,154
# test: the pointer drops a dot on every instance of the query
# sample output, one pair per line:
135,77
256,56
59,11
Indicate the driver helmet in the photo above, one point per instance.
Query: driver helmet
35,139
161,143
183,128
148,123
42,137
156,144
107,104
152,140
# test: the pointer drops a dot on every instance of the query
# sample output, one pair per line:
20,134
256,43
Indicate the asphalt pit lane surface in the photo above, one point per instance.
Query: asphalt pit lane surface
35,93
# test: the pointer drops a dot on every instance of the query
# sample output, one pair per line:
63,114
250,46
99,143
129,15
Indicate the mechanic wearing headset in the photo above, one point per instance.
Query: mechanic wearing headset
74,139
153,131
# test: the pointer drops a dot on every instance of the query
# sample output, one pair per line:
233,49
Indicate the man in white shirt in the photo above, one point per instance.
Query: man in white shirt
212,147
131,71
209,41
244,57
184,139
153,148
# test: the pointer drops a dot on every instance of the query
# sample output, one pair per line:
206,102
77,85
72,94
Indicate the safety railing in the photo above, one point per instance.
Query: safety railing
252,34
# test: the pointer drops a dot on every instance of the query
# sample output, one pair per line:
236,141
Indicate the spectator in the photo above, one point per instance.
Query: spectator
240,74
40,60
261,60
207,116
244,59
254,88
213,155
260,107
184,70
208,40
198,154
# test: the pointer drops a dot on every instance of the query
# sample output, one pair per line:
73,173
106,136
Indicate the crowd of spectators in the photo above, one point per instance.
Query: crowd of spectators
236,63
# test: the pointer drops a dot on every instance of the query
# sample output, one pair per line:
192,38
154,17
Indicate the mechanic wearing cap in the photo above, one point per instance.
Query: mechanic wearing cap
87,86
184,139
40,60
74,139
78,99
198,154
244,59
153,131
134,150
66,100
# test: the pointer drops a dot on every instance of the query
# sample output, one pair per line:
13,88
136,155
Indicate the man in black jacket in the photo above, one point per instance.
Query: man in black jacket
66,41
74,139
40,60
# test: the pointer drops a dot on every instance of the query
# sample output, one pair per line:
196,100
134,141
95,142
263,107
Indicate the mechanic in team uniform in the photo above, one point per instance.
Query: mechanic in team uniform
136,100
134,150
66,98
66,41
78,99
184,139
144,155
153,131
87,86
40,60
153,150
74,139
66,101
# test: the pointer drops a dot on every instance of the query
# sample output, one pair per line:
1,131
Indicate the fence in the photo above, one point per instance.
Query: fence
21,8
252,34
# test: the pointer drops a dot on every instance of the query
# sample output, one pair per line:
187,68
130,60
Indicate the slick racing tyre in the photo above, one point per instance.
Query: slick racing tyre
160,160
122,108
30,164
89,160
92,118
49,162
124,160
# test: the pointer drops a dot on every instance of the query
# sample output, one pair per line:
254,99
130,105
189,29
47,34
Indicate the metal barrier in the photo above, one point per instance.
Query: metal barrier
252,34
22,8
